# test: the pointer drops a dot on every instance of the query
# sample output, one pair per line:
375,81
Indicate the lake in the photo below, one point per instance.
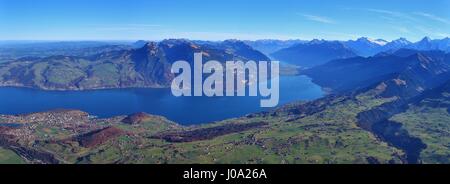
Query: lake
11,125
183,110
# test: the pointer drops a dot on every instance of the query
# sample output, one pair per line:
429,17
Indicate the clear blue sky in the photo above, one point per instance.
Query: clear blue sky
222,19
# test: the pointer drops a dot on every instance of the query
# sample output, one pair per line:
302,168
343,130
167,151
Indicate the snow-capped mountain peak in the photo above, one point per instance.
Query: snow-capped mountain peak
401,41
379,42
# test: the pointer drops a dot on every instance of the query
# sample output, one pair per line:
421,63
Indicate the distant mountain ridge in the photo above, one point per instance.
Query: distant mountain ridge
365,46
314,53
269,46
369,47
317,52
429,44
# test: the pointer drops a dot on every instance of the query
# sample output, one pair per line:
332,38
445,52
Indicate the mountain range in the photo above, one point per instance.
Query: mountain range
269,46
313,53
317,52
98,65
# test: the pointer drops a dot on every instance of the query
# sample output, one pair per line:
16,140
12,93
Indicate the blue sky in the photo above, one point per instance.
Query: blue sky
222,19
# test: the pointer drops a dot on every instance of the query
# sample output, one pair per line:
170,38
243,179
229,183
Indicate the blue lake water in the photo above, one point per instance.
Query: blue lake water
184,110
12,125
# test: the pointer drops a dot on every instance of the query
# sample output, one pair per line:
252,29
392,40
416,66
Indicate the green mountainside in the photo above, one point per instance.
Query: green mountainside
148,66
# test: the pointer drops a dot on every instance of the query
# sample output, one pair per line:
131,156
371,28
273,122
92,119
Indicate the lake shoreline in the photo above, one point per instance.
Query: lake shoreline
105,103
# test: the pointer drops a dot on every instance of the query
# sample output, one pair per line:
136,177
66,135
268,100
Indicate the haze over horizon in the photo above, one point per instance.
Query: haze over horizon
202,20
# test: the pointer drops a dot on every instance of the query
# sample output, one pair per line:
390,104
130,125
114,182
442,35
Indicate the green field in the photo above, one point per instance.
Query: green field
9,157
